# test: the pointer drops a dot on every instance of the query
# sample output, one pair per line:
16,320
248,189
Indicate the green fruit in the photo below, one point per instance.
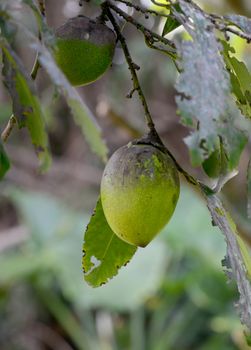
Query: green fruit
85,49
139,192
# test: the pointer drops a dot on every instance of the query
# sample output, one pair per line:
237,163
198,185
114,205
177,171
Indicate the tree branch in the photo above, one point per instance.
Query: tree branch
222,23
131,66
8,129
141,9
147,32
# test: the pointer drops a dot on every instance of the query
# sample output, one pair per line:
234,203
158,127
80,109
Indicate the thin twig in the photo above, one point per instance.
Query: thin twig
188,177
147,32
141,9
150,36
8,129
35,68
225,28
137,88
150,44
222,23
131,66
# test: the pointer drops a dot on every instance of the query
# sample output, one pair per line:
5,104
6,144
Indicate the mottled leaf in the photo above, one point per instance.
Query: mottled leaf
4,162
204,93
104,253
238,260
26,105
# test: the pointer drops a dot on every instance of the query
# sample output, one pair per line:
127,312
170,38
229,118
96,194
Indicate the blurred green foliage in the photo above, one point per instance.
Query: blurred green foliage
173,294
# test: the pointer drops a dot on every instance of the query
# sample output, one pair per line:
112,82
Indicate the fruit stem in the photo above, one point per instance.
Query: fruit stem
153,136
131,66
187,176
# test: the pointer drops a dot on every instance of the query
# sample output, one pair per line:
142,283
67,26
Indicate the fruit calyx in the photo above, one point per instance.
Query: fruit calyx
153,139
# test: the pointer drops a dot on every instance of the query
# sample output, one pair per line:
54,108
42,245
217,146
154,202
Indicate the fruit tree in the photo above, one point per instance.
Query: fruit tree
141,181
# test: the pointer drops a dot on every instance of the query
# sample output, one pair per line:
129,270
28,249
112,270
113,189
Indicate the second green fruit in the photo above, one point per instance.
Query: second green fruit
85,49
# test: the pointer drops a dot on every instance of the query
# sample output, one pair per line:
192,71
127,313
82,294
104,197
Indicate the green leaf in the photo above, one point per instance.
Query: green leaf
26,106
171,22
104,252
4,162
240,79
81,113
170,25
204,93
238,259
